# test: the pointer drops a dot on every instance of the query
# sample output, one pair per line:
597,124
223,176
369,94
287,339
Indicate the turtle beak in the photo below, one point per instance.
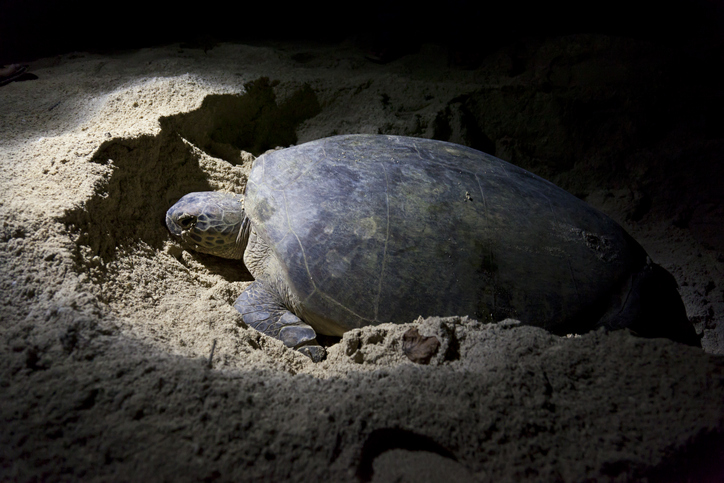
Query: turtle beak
177,224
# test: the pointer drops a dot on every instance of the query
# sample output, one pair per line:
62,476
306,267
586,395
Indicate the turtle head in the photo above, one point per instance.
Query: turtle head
210,222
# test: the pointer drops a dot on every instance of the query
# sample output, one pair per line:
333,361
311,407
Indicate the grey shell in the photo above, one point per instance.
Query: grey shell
372,229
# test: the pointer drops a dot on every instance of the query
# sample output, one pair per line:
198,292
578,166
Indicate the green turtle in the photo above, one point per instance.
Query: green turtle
358,230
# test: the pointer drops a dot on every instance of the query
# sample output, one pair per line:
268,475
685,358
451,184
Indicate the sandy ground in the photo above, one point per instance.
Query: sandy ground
122,358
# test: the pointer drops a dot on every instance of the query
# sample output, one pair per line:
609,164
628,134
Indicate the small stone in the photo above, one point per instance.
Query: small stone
419,349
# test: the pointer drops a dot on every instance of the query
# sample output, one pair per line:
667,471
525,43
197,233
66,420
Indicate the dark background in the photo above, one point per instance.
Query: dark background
30,29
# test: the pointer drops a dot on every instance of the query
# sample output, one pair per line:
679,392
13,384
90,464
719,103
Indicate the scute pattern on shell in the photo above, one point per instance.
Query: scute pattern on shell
373,229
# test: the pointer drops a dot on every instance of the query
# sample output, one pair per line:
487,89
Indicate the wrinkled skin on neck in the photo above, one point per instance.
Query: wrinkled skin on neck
211,222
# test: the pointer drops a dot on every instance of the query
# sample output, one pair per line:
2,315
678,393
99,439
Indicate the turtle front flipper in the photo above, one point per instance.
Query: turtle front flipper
263,309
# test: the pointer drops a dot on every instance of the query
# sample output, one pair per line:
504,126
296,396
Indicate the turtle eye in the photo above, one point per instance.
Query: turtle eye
186,221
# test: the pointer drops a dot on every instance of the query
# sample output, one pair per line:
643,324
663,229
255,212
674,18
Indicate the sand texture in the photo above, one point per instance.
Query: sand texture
122,358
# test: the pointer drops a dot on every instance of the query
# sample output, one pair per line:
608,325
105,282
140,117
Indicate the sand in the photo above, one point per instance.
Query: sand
123,359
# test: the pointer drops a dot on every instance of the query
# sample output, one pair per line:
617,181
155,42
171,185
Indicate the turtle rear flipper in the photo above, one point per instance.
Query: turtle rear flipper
263,309
662,312
649,304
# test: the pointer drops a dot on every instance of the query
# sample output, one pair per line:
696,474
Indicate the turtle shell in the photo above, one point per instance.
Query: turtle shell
370,229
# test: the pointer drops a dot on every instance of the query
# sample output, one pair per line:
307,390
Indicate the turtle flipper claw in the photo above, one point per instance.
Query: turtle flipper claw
297,334
314,352
263,309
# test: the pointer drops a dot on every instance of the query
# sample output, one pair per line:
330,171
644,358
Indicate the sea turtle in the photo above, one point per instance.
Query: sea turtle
358,230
